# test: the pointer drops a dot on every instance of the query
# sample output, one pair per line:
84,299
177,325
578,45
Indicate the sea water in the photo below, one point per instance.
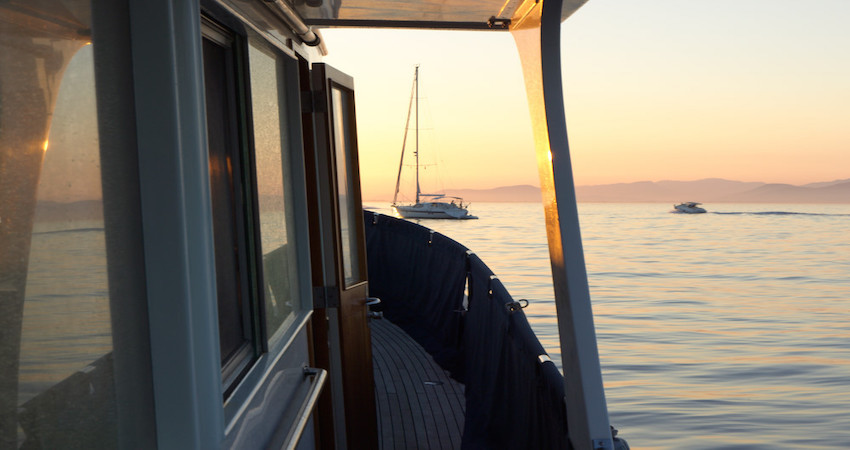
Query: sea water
729,329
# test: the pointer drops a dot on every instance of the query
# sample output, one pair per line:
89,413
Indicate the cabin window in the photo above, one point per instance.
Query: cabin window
56,371
272,152
253,127
238,309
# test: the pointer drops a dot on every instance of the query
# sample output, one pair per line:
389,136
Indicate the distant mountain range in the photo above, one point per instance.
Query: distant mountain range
708,190
521,193
711,190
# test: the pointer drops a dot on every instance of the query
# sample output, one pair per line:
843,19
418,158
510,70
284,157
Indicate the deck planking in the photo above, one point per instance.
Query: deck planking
419,405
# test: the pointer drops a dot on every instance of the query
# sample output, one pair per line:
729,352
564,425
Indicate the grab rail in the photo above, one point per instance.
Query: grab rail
306,409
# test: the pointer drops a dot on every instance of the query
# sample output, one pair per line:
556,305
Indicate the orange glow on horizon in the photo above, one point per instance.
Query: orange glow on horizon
661,98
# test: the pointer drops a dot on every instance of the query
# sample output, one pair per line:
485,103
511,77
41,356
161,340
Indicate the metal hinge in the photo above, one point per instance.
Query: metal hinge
325,297
307,106
312,102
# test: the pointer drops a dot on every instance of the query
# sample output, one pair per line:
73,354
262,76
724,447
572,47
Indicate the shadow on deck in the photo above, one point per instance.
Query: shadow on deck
419,406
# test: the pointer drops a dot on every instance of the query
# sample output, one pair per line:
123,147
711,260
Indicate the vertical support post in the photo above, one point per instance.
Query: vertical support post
176,214
538,41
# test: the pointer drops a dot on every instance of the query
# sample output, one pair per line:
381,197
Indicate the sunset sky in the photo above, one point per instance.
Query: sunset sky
750,90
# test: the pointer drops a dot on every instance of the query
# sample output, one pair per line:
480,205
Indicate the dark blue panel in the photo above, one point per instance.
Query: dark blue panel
512,399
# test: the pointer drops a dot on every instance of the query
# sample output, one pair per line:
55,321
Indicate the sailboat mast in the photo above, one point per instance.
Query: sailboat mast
404,141
416,151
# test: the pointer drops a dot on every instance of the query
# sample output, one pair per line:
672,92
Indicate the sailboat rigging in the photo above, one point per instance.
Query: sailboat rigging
427,206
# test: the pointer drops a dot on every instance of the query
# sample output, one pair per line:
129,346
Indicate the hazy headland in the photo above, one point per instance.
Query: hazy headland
713,190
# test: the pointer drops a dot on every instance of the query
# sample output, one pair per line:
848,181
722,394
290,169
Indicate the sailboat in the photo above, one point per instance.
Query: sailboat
427,206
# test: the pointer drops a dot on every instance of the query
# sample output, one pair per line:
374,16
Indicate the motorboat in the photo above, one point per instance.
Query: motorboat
184,257
426,206
688,208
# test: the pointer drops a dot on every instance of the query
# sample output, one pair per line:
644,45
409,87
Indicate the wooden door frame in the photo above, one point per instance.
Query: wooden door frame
351,401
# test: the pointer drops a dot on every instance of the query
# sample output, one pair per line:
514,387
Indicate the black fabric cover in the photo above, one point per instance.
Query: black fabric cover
513,401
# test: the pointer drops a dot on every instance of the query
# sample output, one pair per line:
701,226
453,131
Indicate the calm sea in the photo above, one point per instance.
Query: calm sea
729,329
722,330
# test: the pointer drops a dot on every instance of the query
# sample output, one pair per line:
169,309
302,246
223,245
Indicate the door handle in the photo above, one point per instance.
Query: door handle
370,302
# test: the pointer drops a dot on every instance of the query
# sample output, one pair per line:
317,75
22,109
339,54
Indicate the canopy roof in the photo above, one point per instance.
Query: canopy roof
467,14
450,14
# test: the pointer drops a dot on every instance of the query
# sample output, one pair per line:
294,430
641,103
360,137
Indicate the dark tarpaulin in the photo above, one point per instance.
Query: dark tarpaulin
419,292
513,400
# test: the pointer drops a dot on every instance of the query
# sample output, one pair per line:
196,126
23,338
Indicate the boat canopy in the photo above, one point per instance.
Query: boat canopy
471,14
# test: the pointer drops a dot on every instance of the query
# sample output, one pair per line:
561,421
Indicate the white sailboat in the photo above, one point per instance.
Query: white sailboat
427,206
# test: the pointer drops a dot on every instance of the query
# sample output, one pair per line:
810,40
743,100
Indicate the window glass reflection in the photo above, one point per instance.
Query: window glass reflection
346,189
236,311
56,299
274,186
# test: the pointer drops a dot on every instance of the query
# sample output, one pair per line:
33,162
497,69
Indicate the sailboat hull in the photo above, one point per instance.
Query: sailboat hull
432,210
439,207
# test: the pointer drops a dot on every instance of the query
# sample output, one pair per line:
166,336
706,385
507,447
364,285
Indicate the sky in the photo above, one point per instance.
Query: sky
748,90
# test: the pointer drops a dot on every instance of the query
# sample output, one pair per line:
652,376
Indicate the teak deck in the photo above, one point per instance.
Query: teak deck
419,406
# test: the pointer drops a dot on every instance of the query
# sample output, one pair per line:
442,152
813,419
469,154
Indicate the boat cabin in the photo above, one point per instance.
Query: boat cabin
183,248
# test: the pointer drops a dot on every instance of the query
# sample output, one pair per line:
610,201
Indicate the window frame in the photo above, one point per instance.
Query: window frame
279,340
242,206
272,344
336,81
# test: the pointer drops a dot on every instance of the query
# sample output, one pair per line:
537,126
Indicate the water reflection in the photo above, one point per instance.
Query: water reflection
66,322
56,342
729,331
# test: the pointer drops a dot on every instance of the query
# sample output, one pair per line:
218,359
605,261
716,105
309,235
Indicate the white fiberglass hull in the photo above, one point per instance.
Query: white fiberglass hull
688,208
432,210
